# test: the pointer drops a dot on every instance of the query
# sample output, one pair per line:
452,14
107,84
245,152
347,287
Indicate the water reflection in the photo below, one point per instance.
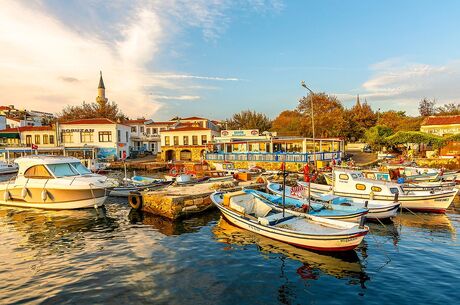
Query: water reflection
55,231
340,265
169,227
434,223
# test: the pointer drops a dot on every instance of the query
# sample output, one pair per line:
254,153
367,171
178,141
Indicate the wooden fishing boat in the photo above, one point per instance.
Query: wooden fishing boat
376,210
352,184
249,212
336,212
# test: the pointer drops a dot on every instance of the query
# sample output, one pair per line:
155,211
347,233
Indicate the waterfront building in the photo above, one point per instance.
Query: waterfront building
19,118
252,146
144,136
444,126
101,137
186,143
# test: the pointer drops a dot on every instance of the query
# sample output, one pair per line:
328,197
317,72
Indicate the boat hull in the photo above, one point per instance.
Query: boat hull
56,199
435,203
339,242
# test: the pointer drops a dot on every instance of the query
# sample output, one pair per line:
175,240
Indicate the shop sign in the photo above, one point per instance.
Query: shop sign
240,133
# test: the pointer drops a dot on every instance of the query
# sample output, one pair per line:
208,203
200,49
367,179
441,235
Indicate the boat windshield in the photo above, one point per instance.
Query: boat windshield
83,170
63,170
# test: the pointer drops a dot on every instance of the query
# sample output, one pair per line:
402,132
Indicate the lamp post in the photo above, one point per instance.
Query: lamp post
313,135
312,120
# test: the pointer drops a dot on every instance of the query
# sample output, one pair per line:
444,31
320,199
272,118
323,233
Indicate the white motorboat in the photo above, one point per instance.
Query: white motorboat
352,184
249,212
7,168
54,182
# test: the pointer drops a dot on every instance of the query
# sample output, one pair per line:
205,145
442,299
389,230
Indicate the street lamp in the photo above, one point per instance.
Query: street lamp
312,120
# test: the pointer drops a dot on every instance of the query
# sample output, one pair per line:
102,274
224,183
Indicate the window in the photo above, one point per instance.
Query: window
142,128
127,137
29,140
133,129
105,136
185,139
118,135
86,137
204,139
45,139
176,140
66,137
376,189
51,139
37,139
194,140
360,187
343,176
81,168
63,170
154,130
148,130
38,172
354,176
167,143
394,190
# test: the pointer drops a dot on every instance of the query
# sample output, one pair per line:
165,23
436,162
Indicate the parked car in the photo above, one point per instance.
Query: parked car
367,149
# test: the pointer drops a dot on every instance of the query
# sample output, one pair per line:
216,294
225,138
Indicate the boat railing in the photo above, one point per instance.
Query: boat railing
273,157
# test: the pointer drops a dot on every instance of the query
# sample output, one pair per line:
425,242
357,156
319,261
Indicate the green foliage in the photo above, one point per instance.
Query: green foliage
104,109
455,137
248,119
328,113
376,136
418,137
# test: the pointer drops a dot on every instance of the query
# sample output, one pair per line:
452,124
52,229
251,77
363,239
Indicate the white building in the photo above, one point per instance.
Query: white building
144,137
110,139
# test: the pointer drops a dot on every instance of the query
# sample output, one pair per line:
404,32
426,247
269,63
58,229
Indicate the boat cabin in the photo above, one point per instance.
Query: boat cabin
50,167
354,182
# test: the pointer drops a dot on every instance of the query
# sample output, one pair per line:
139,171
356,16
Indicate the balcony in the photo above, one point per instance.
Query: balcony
146,137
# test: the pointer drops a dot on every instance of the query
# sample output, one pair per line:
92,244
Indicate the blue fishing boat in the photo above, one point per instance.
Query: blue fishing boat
336,212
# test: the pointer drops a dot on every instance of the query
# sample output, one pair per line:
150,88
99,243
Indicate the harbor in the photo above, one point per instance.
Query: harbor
119,256
229,152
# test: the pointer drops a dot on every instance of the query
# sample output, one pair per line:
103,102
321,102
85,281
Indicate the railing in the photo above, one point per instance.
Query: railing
273,157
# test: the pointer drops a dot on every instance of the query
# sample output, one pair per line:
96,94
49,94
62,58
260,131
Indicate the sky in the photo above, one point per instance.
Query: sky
212,58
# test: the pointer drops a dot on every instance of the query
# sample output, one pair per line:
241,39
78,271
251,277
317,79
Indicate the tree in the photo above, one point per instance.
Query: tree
329,116
376,136
248,119
360,118
418,137
288,123
399,121
101,109
448,109
426,107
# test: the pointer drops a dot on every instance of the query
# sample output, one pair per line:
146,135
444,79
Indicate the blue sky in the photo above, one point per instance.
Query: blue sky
216,57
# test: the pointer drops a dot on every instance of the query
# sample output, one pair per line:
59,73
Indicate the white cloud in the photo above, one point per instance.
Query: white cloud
50,57
185,76
395,83
179,97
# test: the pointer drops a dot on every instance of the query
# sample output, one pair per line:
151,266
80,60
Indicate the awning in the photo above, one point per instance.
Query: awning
9,135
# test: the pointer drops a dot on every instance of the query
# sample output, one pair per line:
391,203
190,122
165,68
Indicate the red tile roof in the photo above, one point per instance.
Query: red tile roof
442,120
163,123
186,129
193,118
140,121
5,108
90,121
27,128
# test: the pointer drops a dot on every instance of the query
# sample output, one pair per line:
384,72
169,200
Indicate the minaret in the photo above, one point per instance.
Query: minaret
357,101
100,99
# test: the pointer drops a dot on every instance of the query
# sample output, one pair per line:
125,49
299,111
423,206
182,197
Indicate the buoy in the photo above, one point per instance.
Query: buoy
44,195
6,196
24,192
135,200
